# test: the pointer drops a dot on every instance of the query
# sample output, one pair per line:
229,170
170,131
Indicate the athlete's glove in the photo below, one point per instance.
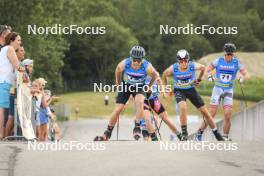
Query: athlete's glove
197,82
211,78
241,79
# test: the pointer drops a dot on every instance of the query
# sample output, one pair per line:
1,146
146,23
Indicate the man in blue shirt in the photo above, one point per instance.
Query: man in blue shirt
131,75
226,68
183,73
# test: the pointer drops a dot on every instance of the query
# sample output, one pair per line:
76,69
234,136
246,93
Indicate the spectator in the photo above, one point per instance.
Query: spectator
28,65
4,31
20,52
43,83
106,100
42,111
51,114
9,61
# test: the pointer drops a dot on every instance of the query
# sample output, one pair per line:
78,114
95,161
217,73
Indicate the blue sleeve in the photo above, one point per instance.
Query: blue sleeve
146,64
240,65
215,62
127,62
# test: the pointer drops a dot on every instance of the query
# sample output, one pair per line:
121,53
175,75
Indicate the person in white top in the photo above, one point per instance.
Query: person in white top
20,52
8,62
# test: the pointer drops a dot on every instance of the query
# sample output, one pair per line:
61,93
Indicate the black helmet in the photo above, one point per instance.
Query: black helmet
182,54
137,52
229,48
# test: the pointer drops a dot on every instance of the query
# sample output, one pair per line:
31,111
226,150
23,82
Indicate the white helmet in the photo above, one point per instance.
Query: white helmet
27,62
182,54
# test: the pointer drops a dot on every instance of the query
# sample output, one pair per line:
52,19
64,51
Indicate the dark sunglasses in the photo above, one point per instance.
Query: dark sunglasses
229,54
137,60
183,60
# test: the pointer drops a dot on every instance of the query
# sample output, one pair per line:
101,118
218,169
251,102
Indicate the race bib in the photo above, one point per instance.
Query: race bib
225,77
132,79
183,83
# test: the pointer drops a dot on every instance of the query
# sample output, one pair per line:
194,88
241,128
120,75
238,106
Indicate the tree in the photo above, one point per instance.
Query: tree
98,54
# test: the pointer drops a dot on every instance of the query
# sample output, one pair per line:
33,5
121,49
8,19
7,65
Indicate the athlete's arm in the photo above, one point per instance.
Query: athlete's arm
200,68
245,74
209,70
211,67
159,81
243,71
168,72
153,73
118,72
161,87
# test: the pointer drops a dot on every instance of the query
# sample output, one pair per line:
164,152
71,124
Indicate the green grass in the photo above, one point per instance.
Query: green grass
92,105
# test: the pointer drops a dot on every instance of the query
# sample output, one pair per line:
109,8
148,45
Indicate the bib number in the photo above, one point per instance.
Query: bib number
183,83
225,77
133,80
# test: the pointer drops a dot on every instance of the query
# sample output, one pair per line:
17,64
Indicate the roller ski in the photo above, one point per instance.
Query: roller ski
106,136
136,133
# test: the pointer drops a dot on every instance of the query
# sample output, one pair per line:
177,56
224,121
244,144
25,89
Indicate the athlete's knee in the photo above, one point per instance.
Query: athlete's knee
119,108
140,104
139,98
213,108
228,114
203,109
205,112
182,106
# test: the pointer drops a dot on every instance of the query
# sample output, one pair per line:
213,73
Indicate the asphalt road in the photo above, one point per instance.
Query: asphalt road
126,157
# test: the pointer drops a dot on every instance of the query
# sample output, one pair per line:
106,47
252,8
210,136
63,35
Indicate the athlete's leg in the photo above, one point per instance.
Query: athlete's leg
121,100
115,114
112,121
165,117
198,102
227,121
183,118
214,103
181,100
228,107
139,102
149,125
183,112
208,117
144,129
157,106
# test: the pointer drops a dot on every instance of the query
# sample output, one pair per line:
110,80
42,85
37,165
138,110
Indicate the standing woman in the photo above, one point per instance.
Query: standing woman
8,62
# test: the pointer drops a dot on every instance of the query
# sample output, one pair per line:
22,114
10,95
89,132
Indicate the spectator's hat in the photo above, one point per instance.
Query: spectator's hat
27,62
